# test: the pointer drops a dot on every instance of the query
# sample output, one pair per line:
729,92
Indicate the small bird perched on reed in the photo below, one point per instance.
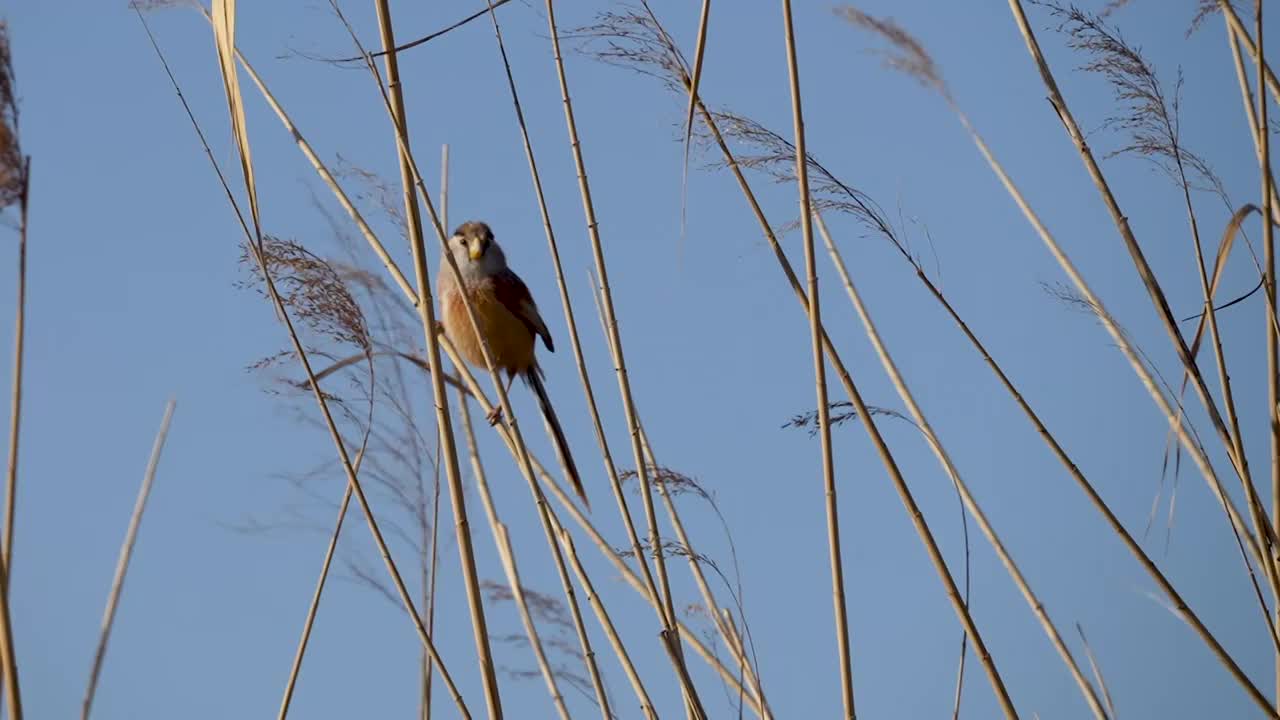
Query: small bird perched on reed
508,319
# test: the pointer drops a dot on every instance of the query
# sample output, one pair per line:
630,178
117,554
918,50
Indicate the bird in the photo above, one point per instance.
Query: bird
508,319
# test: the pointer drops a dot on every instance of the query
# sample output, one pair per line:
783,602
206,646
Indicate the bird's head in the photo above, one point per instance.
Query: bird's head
472,245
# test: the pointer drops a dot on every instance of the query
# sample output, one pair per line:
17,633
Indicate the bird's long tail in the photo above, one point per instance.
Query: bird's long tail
533,377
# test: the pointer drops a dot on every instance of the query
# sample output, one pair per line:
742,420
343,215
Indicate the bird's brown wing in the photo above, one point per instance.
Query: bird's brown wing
514,295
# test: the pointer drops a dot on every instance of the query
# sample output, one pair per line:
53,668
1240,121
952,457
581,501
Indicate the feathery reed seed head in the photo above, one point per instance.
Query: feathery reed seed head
12,165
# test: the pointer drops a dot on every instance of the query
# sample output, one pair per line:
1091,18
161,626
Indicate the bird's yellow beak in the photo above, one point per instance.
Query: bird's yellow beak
475,251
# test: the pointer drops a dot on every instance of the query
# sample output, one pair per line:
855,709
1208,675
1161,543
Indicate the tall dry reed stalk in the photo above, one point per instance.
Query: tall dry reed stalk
1263,135
309,620
613,336
222,19
944,459
296,668
575,342
690,637
1237,28
126,554
379,250
453,474
731,638
523,455
15,189
771,154
667,611
502,539
639,41
435,510
365,229
913,60
820,372
1153,131
611,631
1262,546
411,294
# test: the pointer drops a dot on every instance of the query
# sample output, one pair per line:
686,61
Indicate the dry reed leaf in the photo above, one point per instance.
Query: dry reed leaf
224,34
1224,249
1097,672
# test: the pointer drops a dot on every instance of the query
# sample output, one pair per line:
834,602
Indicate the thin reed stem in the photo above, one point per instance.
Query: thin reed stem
313,609
1237,524
671,643
426,38
904,492
944,459
296,668
1233,41
562,285
1166,586
431,583
126,554
354,483
1210,312
15,408
1263,136
731,640
1235,436
8,659
882,449
502,540
297,663
402,282
1236,25
8,656
737,646
819,370
435,504
509,418
1262,546
667,610
390,265
602,615
704,589
466,553
1175,599
1235,520
606,549
574,339
223,24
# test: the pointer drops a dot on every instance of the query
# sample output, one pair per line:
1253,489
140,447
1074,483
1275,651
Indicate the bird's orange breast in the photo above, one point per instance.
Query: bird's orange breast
509,338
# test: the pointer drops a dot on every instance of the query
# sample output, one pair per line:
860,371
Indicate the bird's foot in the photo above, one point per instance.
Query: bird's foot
495,416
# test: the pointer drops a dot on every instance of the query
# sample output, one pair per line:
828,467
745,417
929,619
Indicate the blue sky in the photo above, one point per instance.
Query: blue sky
132,268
